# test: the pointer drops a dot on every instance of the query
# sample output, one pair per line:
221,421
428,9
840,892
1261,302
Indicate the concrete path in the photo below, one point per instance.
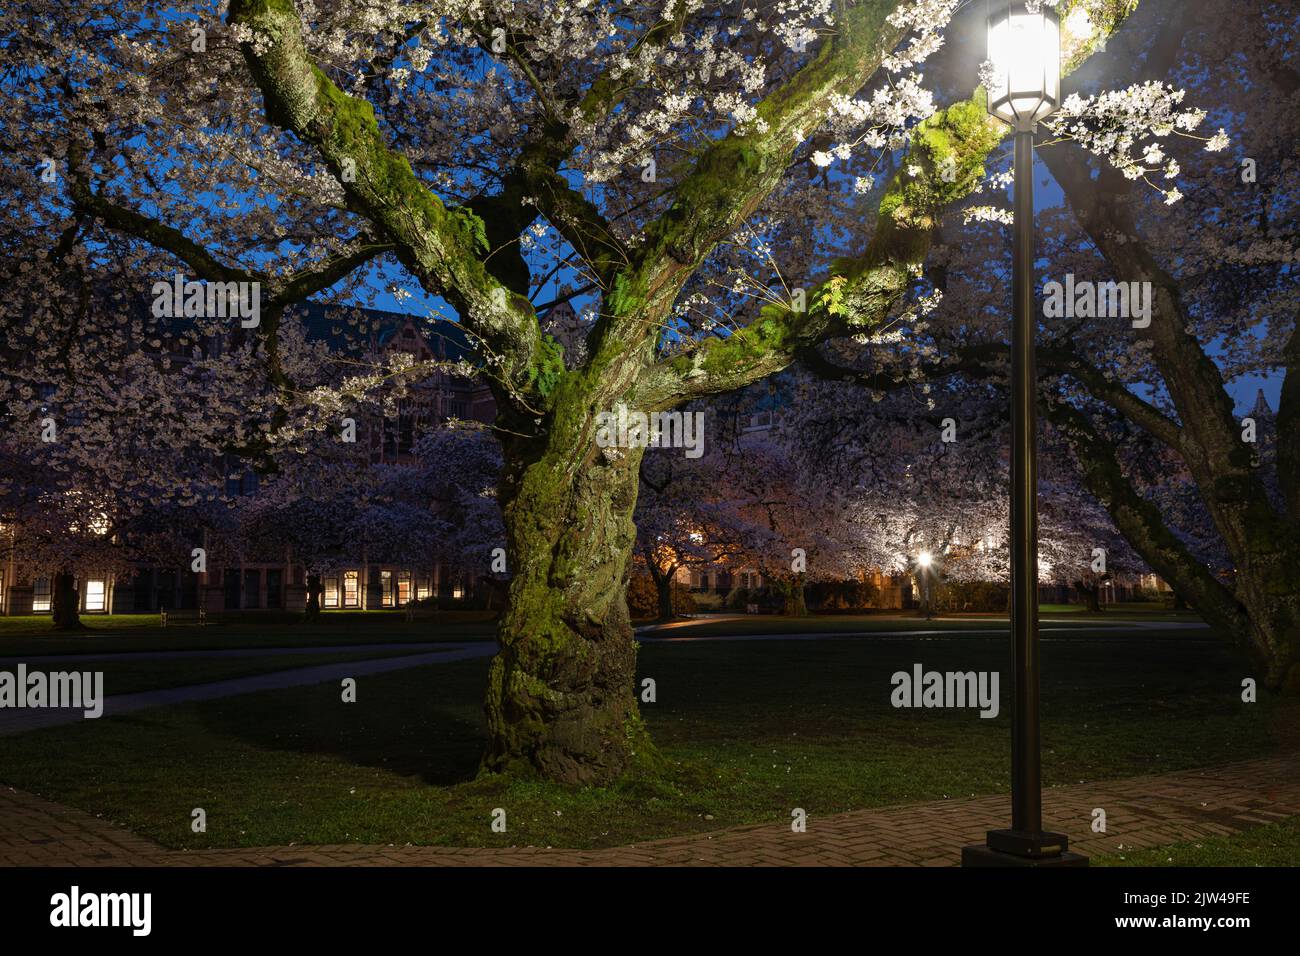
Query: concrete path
1140,812
17,721
235,652
681,631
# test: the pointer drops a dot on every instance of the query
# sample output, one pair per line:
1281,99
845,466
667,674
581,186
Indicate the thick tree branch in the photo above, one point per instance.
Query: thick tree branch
307,282
735,174
1141,523
949,149
442,247
535,176
168,238
1209,441
1139,411
985,359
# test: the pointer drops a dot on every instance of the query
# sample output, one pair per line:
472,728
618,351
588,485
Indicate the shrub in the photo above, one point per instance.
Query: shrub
841,595
971,596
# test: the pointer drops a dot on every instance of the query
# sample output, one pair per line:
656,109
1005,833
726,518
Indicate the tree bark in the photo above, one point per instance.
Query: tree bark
795,604
1091,596
315,590
663,580
561,697
664,587
66,599
1143,526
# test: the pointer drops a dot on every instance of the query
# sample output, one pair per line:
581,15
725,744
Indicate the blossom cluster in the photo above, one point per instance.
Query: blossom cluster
1126,128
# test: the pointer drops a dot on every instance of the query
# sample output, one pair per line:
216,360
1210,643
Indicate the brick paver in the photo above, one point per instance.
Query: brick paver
1140,812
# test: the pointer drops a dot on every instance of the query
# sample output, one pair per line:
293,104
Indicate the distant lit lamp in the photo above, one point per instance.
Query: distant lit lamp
1024,49
923,561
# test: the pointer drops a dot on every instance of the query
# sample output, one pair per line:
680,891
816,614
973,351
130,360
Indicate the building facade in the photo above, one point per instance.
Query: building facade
281,585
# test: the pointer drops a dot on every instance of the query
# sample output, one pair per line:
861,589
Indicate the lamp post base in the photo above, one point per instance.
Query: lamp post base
987,856
1020,848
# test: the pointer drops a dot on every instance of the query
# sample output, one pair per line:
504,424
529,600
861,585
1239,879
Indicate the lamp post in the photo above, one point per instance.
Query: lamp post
1025,51
923,561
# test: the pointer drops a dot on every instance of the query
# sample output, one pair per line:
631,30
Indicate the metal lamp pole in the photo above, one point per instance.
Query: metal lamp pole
1024,48
1026,762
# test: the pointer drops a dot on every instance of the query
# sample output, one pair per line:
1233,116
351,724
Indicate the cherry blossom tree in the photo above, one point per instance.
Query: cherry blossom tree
1222,271
459,469
687,517
1147,409
730,184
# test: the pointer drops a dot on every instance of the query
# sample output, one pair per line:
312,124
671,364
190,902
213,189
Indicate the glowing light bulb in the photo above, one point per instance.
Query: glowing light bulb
1025,52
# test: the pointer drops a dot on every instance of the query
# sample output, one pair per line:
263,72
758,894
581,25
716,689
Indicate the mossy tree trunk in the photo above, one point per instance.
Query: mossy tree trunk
561,701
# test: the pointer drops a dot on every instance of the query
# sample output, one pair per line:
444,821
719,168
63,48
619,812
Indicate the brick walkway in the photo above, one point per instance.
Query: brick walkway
1140,812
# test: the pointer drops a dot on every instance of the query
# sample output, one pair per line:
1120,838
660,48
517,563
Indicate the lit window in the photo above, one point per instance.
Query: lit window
351,589
403,587
457,592
386,588
41,595
94,595
332,591
422,587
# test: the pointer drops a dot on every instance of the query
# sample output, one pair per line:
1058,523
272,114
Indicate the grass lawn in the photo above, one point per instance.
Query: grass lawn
1277,844
132,676
1142,610
723,625
143,632
751,730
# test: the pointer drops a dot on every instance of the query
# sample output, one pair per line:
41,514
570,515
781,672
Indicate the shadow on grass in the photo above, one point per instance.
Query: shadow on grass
426,723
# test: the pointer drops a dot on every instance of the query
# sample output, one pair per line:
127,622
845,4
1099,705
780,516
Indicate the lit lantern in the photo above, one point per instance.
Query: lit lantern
1025,53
